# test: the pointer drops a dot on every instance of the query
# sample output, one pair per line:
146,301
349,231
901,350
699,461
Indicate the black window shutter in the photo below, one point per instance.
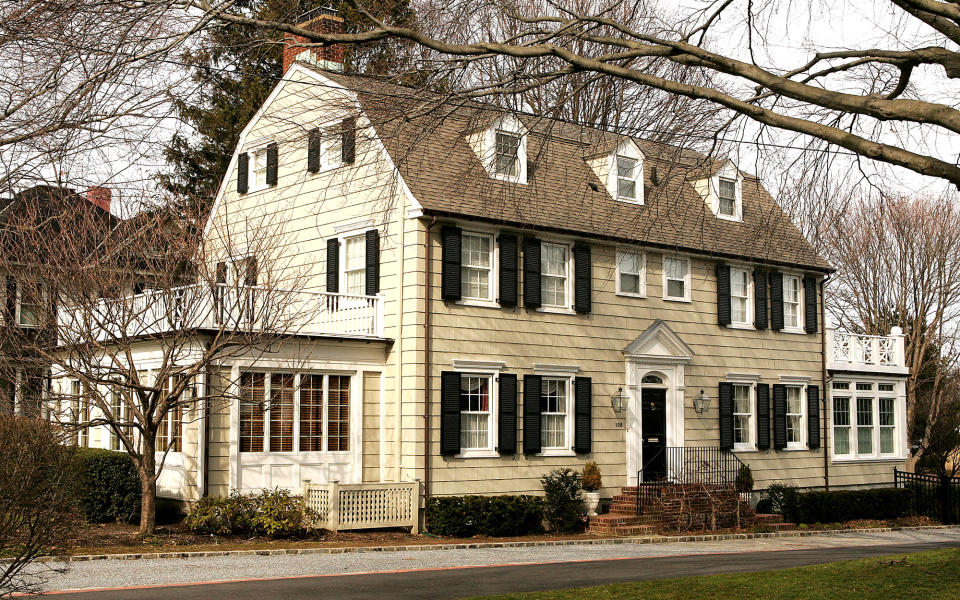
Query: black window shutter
333,265
507,419
450,263
348,147
373,262
582,278
531,273
763,416
760,299
449,413
509,263
726,415
11,301
779,416
273,159
810,303
531,413
250,277
221,273
776,300
583,415
723,294
243,172
313,150
813,417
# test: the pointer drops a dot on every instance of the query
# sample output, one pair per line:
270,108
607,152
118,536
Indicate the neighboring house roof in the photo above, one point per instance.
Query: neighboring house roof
426,137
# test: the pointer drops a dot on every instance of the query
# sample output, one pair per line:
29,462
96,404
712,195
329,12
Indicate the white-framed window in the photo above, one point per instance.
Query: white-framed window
741,289
676,278
866,420
331,154
554,275
29,299
476,266
627,178
556,420
792,303
295,412
354,269
476,414
727,197
743,411
631,273
796,417
258,168
506,154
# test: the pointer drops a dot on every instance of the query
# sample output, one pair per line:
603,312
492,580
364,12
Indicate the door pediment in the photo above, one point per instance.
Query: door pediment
659,343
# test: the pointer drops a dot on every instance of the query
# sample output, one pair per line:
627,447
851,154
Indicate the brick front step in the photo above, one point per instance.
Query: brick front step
624,530
765,518
781,526
614,519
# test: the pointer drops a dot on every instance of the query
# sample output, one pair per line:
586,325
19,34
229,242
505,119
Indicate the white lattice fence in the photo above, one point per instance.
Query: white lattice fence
364,505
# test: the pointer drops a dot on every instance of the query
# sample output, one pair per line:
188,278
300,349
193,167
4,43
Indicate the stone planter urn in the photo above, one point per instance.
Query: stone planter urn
591,500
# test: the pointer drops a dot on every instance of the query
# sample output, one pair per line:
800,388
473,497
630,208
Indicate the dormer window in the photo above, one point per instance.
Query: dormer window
727,195
627,178
506,161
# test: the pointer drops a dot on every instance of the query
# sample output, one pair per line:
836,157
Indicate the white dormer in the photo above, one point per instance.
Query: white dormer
621,171
502,148
723,192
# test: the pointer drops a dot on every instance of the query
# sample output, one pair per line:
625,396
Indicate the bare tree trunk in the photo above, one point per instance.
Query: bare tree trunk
148,487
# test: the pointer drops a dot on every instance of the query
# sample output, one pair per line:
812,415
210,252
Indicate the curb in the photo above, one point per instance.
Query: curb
479,545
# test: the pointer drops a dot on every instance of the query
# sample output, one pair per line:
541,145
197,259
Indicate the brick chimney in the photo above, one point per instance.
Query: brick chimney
100,196
321,20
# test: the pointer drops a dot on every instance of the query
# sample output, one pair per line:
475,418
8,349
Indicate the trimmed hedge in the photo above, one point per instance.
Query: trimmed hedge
494,516
108,486
849,505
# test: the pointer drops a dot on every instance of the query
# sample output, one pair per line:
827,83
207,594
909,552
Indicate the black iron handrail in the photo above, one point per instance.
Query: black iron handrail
709,465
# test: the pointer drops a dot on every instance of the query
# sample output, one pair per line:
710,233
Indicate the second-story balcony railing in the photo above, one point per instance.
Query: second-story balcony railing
246,309
848,351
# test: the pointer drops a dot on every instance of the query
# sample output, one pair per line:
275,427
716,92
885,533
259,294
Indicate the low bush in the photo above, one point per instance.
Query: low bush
782,499
744,481
270,513
848,505
108,486
563,507
494,516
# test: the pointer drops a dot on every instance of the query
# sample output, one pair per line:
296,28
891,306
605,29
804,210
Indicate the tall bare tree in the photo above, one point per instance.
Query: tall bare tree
127,318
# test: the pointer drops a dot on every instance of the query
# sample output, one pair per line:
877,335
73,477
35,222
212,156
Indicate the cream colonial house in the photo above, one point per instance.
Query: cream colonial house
502,294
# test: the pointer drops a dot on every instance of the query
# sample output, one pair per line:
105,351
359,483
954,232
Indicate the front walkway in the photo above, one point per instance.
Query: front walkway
154,572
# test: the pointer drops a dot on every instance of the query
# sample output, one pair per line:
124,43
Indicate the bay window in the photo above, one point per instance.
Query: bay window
866,417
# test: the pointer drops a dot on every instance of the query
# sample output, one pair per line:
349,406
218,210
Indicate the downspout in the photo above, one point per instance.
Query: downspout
426,365
205,446
823,377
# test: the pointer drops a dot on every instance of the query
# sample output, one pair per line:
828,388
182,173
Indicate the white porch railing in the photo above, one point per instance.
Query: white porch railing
227,307
364,505
848,351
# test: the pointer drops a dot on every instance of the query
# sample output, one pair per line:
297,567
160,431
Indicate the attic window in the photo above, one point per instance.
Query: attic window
626,178
727,194
506,154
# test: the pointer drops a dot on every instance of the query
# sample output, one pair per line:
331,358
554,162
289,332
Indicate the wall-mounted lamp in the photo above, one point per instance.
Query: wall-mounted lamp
618,401
701,402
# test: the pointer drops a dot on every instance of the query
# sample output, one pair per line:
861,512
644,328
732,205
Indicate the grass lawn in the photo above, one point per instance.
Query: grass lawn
933,575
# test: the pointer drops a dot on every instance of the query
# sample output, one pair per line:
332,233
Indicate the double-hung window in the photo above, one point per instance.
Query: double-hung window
841,420
739,296
476,266
886,418
554,274
355,265
258,169
791,302
864,420
631,273
743,416
506,156
475,414
29,298
116,407
332,154
727,196
627,178
306,412
554,433
676,278
795,417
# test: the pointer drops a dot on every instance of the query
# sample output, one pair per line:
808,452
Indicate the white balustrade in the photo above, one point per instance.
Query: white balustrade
224,307
848,351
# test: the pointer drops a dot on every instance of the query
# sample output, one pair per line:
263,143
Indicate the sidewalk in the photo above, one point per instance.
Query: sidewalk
153,571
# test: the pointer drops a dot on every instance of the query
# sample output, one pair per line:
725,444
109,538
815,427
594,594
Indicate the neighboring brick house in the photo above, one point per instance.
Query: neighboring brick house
505,294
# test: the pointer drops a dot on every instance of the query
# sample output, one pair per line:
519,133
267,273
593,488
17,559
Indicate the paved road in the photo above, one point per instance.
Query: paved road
449,574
